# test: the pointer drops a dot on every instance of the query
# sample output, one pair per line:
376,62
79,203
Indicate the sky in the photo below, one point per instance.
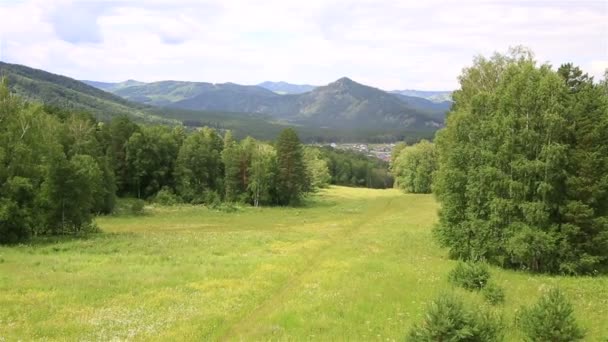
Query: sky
389,44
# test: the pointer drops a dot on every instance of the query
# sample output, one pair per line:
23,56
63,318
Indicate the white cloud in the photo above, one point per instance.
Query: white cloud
387,43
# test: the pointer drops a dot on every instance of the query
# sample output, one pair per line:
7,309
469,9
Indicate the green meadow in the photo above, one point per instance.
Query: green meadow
352,264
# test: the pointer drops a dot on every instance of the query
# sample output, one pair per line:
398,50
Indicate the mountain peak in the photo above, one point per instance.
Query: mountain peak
343,82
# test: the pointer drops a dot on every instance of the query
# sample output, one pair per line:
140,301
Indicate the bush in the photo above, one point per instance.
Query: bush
212,199
166,197
494,294
470,275
551,319
447,319
137,207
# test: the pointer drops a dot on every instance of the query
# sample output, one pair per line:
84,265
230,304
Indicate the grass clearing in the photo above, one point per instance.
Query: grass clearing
355,264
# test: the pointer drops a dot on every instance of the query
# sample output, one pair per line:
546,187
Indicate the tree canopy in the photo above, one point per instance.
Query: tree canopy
414,167
522,170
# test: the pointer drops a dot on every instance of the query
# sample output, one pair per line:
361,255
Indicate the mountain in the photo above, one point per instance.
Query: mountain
199,95
61,91
434,96
343,111
286,88
346,103
341,104
434,109
110,86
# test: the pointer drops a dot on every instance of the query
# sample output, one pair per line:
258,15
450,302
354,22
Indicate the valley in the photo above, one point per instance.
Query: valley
352,264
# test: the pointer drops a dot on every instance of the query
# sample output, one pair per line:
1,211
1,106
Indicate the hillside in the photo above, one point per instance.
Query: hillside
434,96
286,88
112,86
341,104
345,103
65,92
434,109
343,111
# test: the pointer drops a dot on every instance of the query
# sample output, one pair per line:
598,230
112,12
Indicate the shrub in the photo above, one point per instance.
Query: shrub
212,199
494,294
166,197
137,207
470,275
551,319
447,319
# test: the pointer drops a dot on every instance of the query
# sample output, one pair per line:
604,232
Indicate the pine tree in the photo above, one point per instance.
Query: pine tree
551,319
292,180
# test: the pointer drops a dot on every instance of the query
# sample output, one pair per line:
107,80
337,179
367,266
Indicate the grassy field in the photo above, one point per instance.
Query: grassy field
355,264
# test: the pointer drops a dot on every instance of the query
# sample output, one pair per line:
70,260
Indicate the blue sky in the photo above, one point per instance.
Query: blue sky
389,44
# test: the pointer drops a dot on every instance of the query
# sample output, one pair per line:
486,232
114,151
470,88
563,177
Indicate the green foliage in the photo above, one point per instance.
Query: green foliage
117,134
199,165
551,319
150,157
70,191
414,167
493,294
136,206
355,169
70,94
262,174
59,166
316,168
54,174
522,165
396,152
166,197
447,319
470,275
292,180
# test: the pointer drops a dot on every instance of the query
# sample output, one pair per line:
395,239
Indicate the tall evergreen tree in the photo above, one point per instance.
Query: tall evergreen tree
292,180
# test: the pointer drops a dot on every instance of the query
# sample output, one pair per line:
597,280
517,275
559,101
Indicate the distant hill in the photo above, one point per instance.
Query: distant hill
61,91
228,97
434,96
342,104
340,111
434,109
346,103
56,90
286,88
109,86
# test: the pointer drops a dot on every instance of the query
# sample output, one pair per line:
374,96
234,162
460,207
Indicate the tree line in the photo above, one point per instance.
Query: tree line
58,169
414,166
521,168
